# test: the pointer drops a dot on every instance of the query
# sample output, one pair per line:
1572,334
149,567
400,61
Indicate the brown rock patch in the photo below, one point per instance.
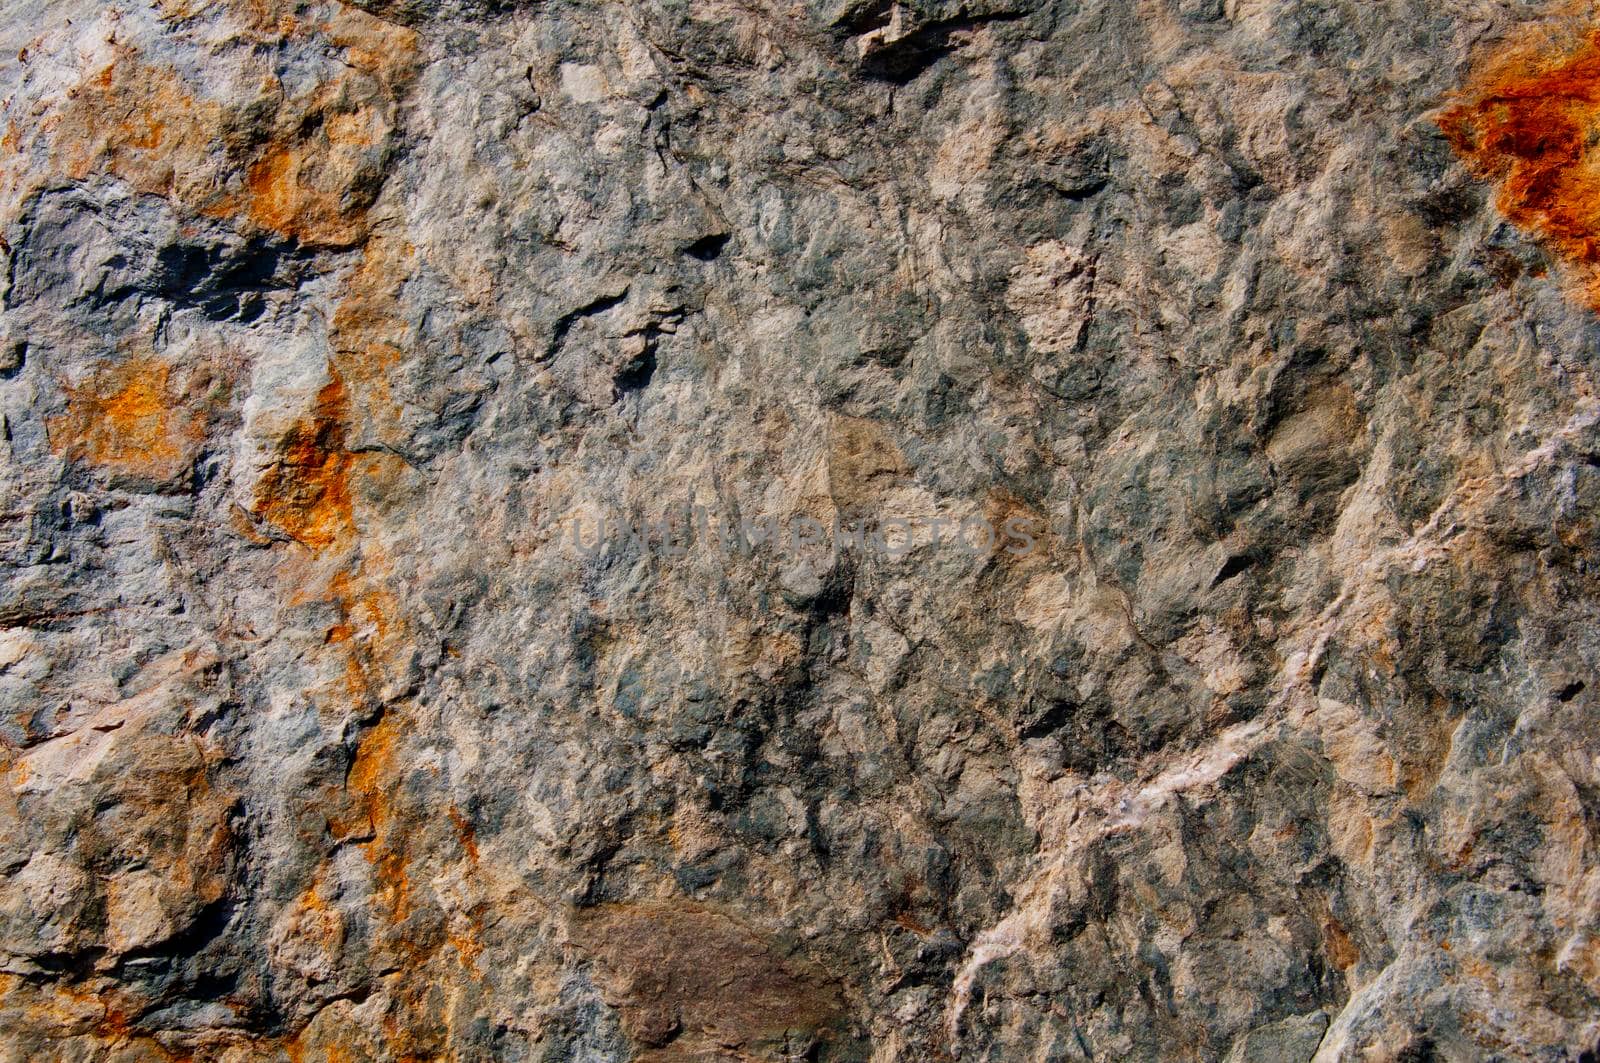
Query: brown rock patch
863,463
693,984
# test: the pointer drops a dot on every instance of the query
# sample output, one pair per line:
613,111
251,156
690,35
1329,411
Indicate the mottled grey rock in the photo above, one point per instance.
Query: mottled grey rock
955,529
1280,1042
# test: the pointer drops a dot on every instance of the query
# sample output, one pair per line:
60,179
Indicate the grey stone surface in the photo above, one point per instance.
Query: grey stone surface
1282,1042
324,328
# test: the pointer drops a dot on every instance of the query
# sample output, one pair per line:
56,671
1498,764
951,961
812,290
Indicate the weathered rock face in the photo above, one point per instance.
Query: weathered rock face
338,726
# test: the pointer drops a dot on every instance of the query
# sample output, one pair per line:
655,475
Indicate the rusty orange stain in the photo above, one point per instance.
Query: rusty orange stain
1530,122
467,947
367,609
372,647
468,942
367,778
306,494
275,195
372,758
127,418
308,173
369,332
64,1010
309,186
141,124
304,175
394,887
261,19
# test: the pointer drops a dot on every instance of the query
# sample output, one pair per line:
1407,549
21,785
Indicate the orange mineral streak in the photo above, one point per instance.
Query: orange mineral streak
370,333
328,498
307,171
1531,122
367,637
369,776
400,903
126,419
307,493
371,764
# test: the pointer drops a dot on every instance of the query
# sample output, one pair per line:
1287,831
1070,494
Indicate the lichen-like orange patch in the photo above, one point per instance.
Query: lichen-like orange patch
127,420
1531,122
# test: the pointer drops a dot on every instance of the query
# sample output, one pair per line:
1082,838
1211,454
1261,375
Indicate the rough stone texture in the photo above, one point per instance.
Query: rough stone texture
324,324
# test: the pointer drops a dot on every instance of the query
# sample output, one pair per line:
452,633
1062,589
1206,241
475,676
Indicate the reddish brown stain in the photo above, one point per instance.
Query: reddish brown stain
465,834
1530,123
912,925
1341,951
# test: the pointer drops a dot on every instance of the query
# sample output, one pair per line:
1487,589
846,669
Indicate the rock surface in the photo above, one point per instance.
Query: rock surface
337,725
